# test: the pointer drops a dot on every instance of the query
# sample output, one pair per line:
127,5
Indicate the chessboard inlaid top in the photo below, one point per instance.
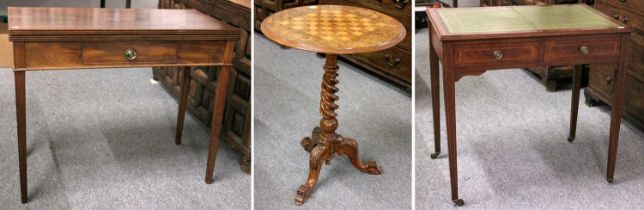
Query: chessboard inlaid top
333,29
521,19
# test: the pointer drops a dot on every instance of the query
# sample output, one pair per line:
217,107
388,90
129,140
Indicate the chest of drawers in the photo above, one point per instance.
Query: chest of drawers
602,77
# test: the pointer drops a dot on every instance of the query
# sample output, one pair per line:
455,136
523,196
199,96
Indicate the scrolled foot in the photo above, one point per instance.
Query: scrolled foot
307,144
372,168
609,179
571,138
349,147
303,193
435,155
459,202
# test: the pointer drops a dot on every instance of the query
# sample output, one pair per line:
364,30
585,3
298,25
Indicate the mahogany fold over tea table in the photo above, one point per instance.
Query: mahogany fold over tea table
470,41
332,30
81,38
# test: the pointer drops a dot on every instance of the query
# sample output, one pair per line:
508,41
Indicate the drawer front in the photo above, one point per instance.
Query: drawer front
634,97
623,4
495,55
122,53
582,50
601,78
66,55
393,61
627,17
636,60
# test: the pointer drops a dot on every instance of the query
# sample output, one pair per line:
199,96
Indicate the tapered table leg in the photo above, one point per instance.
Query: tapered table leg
183,103
19,78
450,119
324,142
435,88
574,107
617,106
217,116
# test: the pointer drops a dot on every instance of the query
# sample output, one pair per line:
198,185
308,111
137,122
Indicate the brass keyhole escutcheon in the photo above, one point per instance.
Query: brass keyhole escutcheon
584,49
130,54
498,54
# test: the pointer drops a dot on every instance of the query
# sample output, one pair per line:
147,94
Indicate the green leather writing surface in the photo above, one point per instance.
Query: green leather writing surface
521,18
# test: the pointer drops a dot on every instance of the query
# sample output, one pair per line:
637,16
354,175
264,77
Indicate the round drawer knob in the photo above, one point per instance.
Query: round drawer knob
498,54
584,49
130,54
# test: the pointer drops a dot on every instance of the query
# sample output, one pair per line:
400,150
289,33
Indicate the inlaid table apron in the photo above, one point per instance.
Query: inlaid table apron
80,38
332,30
470,41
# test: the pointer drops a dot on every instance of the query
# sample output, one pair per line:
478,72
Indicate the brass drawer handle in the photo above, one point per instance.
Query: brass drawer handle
616,16
498,54
391,60
624,19
584,49
400,4
609,83
130,54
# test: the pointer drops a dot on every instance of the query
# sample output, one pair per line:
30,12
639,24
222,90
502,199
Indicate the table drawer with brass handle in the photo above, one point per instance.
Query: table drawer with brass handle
507,54
63,55
582,50
129,53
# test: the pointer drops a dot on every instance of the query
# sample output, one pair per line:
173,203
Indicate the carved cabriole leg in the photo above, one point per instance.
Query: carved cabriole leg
21,118
217,116
183,103
574,107
349,147
318,154
435,88
617,106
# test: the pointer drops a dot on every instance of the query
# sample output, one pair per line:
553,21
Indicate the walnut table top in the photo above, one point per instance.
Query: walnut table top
333,29
69,21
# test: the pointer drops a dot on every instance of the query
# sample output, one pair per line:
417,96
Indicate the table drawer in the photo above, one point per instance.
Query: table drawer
66,55
582,50
122,53
496,54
